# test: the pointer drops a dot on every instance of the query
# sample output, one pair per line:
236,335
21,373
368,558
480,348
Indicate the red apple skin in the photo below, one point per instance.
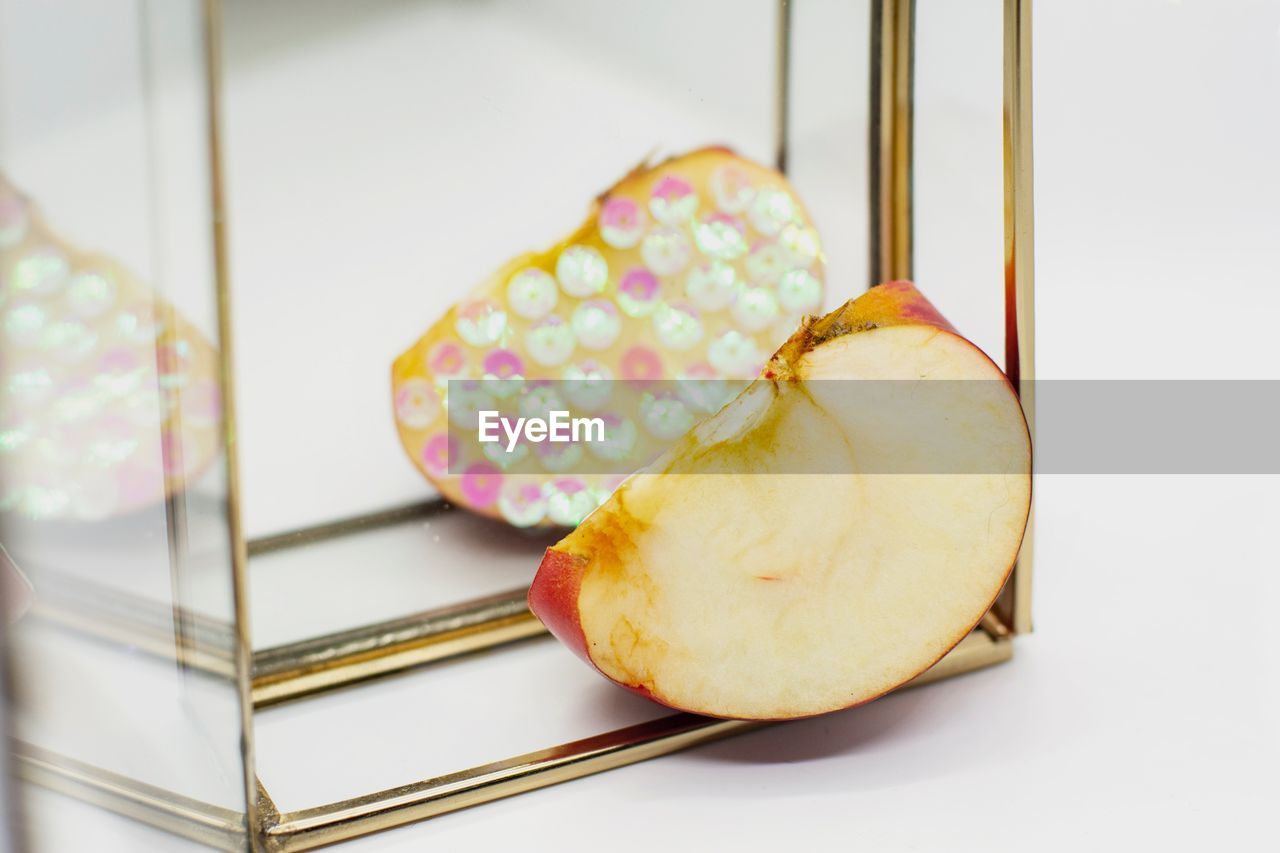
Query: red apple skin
553,595
553,598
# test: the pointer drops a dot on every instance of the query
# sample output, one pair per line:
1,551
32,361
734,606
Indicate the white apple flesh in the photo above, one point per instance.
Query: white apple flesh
721,581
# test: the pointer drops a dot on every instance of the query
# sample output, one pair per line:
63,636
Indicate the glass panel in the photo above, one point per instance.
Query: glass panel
384,159
113,510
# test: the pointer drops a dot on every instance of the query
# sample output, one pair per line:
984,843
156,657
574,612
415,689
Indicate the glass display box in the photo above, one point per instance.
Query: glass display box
217,228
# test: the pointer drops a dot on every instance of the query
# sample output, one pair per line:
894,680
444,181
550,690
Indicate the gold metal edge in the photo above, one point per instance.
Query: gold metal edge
165,810
343,670
890,151
212,20
1019,268
782,87
315,533
340,821
322,825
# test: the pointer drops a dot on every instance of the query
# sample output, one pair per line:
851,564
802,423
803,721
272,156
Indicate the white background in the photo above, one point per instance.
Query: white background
384,156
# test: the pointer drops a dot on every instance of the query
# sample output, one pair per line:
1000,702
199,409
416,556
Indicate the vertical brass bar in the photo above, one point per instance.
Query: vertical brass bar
890,143
782,86
243,651
1019,266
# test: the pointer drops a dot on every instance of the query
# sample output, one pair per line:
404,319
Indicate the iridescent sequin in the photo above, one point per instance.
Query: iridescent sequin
522,501
767,262
677,326
621,222
138,324
89,294
550,342
665,416
569,501
438,452
596,324
467,398
558,457
666,251
480,322
417,404
588,385
771,210
638,292
41,272
503,364
582,271
30,385
23,324
539,401
673,201
532,293
711,285
721,236
498,453
68,341
733,354
801,244
447,360
732,188
620,436
754,308
799,290
480,484
640,363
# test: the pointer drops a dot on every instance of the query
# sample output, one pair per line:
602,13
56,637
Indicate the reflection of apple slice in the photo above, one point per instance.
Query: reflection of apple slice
721,581
696,267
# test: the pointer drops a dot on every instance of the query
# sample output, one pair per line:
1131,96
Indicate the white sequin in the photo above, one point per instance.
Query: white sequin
582,271
754,308
532,293
710,286
771,210
550,342
677,326
799,290
596,324
666,251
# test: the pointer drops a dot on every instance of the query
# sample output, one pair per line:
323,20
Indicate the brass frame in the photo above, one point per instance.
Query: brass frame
300,669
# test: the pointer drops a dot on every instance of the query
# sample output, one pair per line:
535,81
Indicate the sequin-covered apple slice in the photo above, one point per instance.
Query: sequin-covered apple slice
695,268
819,541
109,399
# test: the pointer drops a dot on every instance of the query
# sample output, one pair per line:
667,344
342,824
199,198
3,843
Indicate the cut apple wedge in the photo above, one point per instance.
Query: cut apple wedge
803,551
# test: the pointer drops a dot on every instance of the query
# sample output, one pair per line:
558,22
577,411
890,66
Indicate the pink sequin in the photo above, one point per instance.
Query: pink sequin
437,453
701,370
639,284
118,361
671,188
622,222
480,484
503,364
447,360
641,363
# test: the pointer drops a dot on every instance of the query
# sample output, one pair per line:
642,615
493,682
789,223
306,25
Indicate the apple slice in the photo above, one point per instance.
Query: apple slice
802,551
696,267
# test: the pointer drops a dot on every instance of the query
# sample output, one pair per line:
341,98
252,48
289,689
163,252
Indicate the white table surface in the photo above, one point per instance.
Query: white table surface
1143,713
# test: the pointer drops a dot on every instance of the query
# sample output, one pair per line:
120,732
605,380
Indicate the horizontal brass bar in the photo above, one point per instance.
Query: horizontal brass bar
344,526
299,669
321,825
207,824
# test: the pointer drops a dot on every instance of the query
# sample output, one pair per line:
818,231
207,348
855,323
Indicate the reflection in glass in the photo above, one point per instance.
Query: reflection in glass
113,492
